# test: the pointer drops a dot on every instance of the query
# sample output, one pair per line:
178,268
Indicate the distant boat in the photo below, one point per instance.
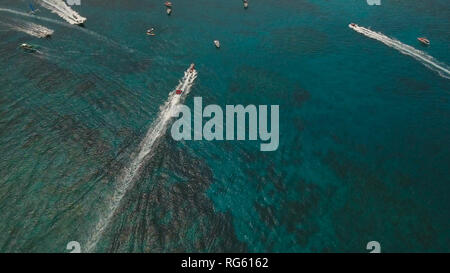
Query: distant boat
217,43
168,4
151,32
79,21
47,34
32,9
424,41
245,4
169,11
28,47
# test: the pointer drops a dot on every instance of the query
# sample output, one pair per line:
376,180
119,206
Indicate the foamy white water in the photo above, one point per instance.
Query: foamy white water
31,16
442,69
63,10
127,176
89,32
29,28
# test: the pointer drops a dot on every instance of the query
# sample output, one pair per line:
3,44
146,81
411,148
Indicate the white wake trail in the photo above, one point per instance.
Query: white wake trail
63,10
30,28
89,32
33,16
127,176
425,59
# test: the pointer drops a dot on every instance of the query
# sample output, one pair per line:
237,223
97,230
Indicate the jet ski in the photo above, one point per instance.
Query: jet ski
150,32
424,41
217,43
28,47
32,10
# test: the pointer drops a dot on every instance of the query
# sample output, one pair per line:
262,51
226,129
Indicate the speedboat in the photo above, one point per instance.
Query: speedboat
28,47
79,21
168,4
245,4
217,43
424,41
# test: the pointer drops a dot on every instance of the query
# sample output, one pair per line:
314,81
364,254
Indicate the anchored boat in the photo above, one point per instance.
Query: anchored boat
217,43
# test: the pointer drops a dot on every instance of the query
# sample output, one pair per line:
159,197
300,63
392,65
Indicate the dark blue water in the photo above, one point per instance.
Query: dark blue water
364,130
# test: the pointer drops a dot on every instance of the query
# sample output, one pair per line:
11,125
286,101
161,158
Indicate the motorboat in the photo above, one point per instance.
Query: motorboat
217,43
79,20
169,11
245,4
28,47
424,41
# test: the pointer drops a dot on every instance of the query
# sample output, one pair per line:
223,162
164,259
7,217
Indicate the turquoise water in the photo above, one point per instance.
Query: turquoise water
364,130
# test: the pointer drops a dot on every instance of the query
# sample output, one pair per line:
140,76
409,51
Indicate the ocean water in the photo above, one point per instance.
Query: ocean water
364,130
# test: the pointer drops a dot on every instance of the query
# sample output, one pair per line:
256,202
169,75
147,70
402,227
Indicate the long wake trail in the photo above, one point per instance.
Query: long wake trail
63,10
127,176
30,29
89,32
442,69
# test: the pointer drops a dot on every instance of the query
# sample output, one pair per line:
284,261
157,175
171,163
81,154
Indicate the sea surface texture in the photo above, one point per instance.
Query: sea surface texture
87,154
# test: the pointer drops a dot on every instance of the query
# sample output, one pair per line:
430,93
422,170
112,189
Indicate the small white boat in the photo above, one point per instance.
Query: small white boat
28,47
217,43
79,20
245,4
169,11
